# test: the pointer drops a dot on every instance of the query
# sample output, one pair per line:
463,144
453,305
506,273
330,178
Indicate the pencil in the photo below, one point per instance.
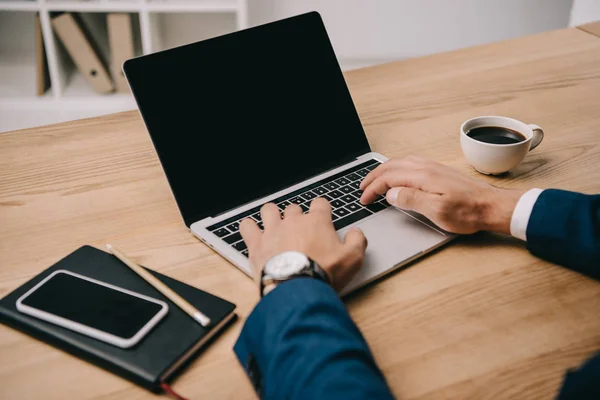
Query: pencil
161,287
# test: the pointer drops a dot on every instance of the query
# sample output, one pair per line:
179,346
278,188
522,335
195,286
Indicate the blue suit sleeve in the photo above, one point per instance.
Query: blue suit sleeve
564,228
300,343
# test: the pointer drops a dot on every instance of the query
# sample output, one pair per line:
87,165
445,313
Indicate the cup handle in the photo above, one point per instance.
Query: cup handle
538,136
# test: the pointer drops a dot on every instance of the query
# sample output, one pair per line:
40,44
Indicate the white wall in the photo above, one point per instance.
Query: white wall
372,31
585,11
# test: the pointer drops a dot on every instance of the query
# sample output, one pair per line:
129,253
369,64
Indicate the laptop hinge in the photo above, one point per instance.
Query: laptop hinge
343,162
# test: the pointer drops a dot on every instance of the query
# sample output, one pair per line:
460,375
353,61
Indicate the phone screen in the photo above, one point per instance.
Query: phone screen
93,305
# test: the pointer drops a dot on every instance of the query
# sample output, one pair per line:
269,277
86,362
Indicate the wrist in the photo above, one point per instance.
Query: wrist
287,266
268,288
498,210
334,269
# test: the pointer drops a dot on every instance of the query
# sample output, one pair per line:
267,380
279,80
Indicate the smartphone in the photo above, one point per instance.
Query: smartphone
97,309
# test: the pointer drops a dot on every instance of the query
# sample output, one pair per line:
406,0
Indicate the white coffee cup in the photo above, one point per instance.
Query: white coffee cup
496,159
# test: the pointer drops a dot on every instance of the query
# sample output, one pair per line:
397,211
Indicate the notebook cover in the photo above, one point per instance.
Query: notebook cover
164,345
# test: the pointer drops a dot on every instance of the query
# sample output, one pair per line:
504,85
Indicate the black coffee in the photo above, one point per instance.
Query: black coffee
496,135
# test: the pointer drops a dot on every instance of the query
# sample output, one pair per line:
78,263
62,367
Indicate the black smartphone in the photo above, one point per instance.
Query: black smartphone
94,308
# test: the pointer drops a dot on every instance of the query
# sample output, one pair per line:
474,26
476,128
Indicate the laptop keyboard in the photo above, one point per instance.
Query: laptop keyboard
341,190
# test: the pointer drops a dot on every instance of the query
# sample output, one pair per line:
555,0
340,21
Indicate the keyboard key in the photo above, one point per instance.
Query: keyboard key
335,194
350,219
357,194
348,199
342,181
261,226
304,208
233,238
337,203
330,191
308,195
234,227
347,189
353,177
375,207
283,205
296,200
331,186
334,217
352,207
240,246
245,253
385,203
320,190
341,212
221,232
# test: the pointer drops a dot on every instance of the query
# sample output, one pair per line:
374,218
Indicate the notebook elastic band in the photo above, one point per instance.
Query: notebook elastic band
170,392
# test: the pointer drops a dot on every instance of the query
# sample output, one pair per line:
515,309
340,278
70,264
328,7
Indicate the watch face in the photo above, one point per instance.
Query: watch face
286,264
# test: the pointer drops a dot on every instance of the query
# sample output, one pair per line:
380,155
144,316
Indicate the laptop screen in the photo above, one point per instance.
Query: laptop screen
241,116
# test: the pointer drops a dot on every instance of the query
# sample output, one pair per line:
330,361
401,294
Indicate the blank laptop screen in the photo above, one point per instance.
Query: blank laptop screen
241,116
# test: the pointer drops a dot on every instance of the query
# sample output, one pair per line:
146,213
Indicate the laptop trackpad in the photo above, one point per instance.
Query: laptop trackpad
393,237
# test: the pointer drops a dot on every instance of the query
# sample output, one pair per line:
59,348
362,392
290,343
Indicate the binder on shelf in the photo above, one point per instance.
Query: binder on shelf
80,49
41,66
120,37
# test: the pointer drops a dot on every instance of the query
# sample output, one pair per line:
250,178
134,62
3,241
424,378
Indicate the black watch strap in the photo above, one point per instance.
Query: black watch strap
319,272
313,270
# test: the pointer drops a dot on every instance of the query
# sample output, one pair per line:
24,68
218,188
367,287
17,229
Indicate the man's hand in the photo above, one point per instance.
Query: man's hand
312,234
454,202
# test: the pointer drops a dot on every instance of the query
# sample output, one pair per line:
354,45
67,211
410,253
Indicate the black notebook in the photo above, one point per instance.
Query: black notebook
166,348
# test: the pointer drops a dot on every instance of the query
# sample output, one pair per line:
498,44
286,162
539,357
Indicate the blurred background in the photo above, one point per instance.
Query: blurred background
60,59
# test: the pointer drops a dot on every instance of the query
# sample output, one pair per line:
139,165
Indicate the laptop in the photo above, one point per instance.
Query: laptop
264,115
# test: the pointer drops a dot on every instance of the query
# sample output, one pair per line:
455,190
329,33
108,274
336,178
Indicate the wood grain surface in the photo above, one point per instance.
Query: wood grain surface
479,319
592,28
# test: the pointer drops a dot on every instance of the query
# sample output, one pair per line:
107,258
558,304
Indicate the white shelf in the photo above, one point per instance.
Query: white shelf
214,6
78,90
93,6
78,97
177,28
188,6
17,56
157,25
18,79
19,6
107,2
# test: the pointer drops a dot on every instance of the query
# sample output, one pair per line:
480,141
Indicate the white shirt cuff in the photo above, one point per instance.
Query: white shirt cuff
522,212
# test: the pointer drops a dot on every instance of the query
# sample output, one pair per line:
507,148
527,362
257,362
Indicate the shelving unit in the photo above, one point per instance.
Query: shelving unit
17,55
157,25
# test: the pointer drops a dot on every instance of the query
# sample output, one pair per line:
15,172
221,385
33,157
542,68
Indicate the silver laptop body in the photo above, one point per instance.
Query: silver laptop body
395,238
265,115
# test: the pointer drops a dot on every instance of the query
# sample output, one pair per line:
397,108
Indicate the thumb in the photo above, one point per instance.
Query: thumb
355,243
353,253
409,199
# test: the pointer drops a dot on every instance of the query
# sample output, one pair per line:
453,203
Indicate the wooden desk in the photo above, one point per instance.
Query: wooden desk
480,319
592,28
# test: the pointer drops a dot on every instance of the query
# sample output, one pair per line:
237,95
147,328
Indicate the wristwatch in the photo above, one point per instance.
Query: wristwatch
290,265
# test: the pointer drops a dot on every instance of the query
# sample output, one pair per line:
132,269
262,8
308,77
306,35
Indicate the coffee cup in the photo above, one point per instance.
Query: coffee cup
495,145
